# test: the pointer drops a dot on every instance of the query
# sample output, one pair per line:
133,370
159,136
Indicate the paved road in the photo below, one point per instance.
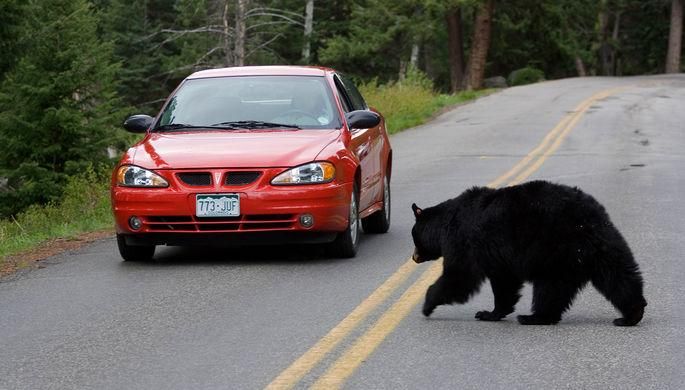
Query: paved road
226,318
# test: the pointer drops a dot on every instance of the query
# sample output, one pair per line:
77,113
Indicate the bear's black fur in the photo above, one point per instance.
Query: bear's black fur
554,236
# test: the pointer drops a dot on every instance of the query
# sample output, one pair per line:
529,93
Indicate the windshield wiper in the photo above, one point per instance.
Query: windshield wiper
256,125
183,126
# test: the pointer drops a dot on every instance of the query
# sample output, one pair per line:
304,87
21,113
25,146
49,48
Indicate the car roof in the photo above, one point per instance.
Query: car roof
271,70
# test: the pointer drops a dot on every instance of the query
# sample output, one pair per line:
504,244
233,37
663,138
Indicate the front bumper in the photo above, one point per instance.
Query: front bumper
269,214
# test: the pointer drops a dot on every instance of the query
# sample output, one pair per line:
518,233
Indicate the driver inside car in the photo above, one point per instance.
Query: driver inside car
307,107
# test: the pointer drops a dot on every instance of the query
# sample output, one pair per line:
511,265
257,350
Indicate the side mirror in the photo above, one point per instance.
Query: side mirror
138,123
362,119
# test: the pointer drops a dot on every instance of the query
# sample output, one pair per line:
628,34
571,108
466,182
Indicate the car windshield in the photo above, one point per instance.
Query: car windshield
251,102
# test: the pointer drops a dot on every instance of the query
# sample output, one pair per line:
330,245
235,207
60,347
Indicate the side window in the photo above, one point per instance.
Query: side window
355,97
344,99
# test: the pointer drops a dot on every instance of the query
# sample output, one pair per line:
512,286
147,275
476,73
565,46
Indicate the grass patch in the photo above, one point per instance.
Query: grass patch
85,207
412,101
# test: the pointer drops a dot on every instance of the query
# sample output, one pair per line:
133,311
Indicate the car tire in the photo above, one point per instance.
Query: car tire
134,252
379,222
347,242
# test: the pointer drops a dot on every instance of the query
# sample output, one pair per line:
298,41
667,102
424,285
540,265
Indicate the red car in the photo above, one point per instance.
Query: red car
253,156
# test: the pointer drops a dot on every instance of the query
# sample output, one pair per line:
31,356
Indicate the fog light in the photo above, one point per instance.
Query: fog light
307,220
135,223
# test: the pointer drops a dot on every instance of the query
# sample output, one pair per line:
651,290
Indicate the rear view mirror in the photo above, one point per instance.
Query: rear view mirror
362,119
138,123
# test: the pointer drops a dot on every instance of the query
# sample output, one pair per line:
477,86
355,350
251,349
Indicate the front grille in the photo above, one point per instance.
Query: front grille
171,219
218,227
186,224
268,217
196,178
170,223
240,178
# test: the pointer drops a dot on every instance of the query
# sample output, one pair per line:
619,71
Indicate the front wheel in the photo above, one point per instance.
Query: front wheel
347,242
134,252
379,222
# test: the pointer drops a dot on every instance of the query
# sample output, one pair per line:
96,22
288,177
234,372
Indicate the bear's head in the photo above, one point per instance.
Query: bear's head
426,239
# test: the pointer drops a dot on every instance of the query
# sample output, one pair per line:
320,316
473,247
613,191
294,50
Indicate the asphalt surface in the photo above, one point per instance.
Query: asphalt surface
236,318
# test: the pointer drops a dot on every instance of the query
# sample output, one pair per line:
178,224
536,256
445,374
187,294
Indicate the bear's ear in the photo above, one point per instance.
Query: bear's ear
416,209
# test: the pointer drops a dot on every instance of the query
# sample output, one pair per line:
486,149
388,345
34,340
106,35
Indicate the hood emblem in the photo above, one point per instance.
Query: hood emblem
217,177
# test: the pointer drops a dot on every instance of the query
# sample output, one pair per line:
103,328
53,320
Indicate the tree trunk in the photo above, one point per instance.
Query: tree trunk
675,37
403,70
308,27
580,67
414,57
475,72
240,35
228,52
456,49
604,47
428,54
614,43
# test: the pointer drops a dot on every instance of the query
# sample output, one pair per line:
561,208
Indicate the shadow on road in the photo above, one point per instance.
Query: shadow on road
253,255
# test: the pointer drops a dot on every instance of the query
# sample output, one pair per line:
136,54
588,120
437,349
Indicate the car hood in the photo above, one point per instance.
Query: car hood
235,149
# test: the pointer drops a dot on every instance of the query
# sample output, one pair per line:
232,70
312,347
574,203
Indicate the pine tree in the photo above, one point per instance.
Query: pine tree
383,40
133,28
57,105
11,14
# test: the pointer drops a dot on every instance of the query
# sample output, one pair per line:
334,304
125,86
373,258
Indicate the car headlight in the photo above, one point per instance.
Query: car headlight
312,173
132,176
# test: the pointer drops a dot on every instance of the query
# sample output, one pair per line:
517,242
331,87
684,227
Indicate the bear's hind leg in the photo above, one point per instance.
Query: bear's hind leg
550,300
507,293
617,276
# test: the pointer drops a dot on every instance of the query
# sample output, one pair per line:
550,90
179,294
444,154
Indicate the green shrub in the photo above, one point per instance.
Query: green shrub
84,206
417,78
411,101
403,104
525,76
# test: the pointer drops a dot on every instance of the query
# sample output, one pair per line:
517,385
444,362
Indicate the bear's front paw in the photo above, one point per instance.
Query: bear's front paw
625,322
488,316
428,309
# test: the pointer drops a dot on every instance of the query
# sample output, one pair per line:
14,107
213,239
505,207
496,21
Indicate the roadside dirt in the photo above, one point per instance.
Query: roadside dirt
32,258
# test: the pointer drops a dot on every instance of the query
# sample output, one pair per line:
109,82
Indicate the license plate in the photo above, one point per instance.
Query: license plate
217,205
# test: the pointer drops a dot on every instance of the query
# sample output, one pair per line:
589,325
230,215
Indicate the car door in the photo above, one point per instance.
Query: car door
366,144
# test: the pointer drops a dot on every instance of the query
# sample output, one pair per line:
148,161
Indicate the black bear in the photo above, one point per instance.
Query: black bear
554,236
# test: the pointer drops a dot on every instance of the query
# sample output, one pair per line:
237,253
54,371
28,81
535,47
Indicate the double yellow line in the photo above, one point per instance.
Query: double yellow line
364,346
